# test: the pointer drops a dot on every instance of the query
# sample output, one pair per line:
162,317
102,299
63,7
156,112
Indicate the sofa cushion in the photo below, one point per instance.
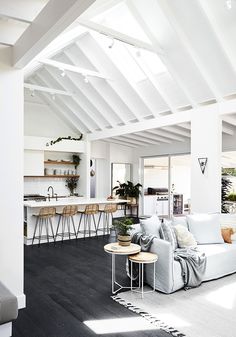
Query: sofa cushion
184,237
8,305
205,228
167,232
180,220
151,226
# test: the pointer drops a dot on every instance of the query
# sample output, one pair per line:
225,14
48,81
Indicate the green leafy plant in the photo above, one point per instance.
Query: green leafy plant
123,226
225,188
59,139
231,197
72,183
128,189
76,160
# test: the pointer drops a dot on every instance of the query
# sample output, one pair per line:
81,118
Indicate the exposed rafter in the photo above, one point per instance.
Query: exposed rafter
140,138
55,17
53,91
118,142
64,66
168,135
20,19
153,136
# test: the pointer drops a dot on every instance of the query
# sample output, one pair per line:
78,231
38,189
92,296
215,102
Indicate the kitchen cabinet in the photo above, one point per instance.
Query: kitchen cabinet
33,163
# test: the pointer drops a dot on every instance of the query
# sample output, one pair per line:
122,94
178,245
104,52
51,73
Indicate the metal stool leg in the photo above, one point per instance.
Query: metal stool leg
53,236
35,229
73,223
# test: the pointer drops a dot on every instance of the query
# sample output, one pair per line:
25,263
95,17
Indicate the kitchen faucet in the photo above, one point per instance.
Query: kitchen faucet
52,189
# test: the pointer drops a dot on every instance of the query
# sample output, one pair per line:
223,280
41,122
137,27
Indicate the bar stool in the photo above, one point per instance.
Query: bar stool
107,213
44,219
65,218
88,215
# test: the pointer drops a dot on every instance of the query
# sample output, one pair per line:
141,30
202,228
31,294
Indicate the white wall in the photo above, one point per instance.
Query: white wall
11,176
41,121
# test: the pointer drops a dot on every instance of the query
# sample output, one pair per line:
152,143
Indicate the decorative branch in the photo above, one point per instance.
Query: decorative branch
59,139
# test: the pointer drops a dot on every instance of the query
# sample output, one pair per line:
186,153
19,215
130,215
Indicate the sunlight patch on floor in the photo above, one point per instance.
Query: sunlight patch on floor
129,324
224,297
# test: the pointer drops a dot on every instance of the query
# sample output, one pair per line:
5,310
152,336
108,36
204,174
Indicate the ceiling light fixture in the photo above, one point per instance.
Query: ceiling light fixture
85,78
111,43
32,94
138,52
53,97
63,73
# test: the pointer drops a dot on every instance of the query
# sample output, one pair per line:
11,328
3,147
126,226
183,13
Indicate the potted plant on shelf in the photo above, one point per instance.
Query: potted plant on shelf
76,160
71,183
128,190
123,227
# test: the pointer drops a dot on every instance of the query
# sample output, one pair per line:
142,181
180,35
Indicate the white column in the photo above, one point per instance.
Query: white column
11,176
206,142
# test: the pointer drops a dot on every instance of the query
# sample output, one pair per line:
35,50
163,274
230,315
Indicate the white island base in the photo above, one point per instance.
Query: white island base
31,208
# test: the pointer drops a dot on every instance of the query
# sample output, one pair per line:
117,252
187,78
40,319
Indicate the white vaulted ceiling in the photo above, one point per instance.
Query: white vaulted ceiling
129,63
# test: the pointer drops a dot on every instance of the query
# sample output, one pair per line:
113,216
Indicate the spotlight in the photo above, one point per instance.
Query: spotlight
32,93
63,74
53,97
86,79
111,43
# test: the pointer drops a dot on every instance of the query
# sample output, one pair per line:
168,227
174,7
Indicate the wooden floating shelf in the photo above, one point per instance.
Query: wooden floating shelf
59,162
55,176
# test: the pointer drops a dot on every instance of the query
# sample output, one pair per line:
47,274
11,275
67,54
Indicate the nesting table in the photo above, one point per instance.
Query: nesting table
141,259
115,249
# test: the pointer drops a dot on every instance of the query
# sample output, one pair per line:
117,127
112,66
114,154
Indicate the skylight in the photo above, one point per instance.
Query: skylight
120,19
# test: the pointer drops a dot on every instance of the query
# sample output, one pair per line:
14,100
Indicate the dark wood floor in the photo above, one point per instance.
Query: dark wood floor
67,284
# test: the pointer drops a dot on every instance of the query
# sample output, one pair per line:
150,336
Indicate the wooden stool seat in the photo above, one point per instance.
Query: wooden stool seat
88,214
107,213
65,218
44,219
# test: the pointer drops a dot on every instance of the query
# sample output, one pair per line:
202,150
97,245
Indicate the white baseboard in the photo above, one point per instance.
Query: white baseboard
21,299
6,330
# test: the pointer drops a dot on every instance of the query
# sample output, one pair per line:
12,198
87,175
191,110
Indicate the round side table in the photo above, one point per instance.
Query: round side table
115,249
141,259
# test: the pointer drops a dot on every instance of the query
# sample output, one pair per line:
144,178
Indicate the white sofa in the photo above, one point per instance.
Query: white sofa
221,261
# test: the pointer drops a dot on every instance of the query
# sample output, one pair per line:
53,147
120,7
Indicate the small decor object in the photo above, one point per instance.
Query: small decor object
76,160
71,183
59,139
110,197
123,226
202,163
226,234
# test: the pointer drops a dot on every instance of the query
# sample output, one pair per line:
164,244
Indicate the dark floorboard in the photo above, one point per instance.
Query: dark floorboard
67,284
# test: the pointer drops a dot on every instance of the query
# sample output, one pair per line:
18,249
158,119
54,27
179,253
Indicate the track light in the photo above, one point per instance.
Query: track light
32,94
63,74
111,43
86,79
53,97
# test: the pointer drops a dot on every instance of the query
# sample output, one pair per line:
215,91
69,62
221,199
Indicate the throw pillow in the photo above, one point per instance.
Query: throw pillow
151,226
184,237
226,234
205,228
180,220
167,232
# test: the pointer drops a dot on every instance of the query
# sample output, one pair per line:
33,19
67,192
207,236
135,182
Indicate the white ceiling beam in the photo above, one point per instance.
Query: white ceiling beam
6,44
227,130
185,126
168,12
99,93
168,135
117,35
131,141
154,136
10,17
180,117
120,85
72,68
118,142
99,7
156,47
177,131
227,107
55,17
82,105
140,138
230,120
72,112
52,91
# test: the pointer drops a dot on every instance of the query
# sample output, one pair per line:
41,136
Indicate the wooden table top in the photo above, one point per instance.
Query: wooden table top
115,248
143,257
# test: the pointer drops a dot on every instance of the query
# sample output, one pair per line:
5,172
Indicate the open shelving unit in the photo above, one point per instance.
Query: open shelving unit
55,176
56,162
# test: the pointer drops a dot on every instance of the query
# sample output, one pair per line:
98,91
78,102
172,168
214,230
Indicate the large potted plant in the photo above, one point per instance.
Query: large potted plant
128,191
123,227
71,183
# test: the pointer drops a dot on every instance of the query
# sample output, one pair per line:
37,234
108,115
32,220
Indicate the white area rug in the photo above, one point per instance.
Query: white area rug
206,311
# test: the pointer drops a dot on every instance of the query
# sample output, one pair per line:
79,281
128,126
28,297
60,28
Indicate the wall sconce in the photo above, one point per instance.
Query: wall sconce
202,163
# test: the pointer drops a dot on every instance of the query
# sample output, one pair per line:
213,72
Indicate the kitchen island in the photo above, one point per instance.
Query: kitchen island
32,208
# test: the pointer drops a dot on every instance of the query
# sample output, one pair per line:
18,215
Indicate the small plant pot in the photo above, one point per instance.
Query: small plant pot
124,240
